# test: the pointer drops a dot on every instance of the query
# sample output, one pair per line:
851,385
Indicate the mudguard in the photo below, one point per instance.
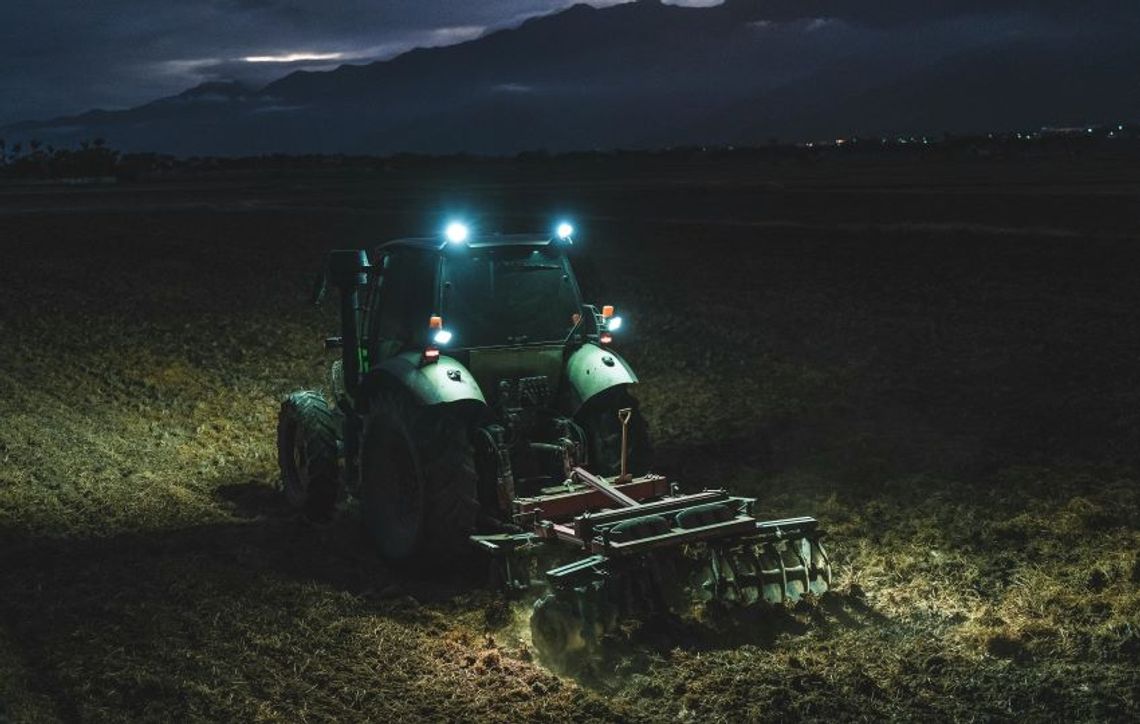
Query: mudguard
592,370
442,381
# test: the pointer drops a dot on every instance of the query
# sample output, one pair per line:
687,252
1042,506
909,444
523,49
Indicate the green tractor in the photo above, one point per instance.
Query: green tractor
478,401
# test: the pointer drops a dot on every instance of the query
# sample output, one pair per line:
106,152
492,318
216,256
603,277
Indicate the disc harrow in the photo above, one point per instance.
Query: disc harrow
649,550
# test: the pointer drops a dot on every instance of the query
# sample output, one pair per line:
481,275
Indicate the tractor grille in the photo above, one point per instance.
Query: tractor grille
526,391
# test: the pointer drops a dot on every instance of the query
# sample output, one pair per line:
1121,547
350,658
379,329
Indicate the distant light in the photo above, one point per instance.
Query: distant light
614,324
456,232
564,231
606,338
442,337
431,354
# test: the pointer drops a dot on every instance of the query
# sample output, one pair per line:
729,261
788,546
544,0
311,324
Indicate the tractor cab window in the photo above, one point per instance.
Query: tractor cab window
508,295
401,302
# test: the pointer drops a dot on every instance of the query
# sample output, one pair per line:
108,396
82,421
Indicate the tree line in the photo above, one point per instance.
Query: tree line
34,159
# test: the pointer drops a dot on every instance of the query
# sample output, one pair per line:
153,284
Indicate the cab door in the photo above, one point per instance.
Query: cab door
400,302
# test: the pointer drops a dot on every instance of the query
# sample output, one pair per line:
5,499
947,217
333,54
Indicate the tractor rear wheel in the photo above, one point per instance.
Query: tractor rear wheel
307,454
599,418
418,489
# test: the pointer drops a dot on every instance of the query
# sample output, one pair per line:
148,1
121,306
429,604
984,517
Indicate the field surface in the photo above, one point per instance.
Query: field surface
940,361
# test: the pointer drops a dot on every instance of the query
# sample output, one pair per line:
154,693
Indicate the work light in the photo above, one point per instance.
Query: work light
457,232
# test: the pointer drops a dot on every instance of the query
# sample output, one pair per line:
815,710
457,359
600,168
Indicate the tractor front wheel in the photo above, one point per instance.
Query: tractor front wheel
418,490
307,454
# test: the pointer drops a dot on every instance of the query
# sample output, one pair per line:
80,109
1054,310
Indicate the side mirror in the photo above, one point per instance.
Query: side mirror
348,267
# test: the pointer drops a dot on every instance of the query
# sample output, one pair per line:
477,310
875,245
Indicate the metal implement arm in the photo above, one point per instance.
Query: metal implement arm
602,486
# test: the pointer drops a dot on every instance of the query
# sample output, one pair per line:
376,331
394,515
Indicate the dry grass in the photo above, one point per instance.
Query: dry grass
961,418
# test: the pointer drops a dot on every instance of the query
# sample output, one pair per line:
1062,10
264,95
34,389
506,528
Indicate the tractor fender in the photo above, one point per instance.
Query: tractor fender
439,382
592,370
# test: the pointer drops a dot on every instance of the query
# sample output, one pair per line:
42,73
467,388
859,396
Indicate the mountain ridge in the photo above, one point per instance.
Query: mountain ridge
648,74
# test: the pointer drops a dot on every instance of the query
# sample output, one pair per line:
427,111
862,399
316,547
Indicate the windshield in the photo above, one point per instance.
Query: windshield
508,295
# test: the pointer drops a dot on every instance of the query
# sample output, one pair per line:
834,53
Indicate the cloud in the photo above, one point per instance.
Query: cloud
60,57
908,12
512,88
278,109
456,34
292,57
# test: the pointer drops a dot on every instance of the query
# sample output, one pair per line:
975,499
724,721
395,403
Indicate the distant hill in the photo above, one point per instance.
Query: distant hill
646,74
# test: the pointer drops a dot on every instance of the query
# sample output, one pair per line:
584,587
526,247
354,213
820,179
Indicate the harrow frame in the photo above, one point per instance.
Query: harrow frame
587,514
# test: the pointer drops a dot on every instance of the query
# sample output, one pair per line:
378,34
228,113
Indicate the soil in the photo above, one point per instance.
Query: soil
941,362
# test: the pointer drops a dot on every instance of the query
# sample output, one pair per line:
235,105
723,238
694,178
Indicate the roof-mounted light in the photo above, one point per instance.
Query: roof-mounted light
457,232
564,231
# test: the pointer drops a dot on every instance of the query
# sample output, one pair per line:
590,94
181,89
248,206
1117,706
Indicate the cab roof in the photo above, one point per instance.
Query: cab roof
479,241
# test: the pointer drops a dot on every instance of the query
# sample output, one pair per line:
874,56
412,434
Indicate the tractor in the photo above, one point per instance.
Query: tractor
478,402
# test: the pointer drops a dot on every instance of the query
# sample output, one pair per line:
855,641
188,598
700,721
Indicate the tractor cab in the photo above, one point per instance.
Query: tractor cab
503,307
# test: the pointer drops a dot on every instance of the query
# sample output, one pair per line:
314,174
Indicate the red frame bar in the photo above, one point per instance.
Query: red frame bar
602,485
564,506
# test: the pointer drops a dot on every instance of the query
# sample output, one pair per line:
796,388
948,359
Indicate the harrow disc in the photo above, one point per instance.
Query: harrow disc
574,620
776,572
555,630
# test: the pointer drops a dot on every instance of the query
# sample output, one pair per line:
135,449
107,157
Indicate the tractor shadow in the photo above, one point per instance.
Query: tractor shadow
69,603
337,552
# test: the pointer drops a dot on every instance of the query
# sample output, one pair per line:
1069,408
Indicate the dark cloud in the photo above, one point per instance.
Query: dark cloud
64,56
904,12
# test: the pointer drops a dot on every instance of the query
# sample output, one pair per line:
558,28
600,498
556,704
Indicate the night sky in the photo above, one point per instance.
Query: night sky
66,56
63,56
